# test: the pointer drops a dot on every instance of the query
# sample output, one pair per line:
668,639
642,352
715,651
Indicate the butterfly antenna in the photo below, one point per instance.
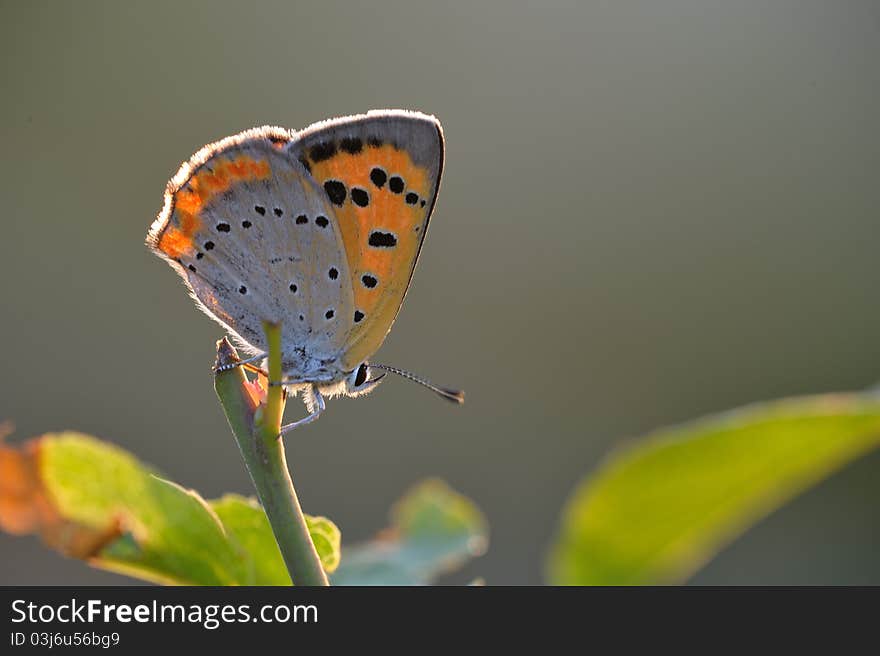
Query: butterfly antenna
456,396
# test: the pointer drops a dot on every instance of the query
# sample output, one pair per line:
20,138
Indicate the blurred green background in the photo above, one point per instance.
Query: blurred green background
651,211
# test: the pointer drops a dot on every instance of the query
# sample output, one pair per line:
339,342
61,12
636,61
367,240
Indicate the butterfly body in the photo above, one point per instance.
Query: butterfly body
318,231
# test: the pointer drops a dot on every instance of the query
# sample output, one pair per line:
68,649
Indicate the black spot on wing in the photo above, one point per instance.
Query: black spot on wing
223,227
369,281
259,209
358,316
321,221
321,151
360,197
379,239
302,219
411,198
336,191
378,177
396,184
351,145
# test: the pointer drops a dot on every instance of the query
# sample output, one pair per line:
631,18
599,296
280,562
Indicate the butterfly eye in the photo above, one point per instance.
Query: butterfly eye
361,376
359,381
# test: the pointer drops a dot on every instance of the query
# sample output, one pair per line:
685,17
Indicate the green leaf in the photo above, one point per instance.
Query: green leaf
659,509
246,522
434,529
172,535
327,540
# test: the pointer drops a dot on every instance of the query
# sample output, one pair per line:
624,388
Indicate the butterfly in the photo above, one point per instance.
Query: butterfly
318,231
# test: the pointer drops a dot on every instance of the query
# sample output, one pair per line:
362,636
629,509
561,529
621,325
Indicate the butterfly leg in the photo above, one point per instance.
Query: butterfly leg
315,402
241,363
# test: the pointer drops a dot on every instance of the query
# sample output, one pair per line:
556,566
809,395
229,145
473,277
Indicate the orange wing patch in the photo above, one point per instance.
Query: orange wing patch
177,238
381,199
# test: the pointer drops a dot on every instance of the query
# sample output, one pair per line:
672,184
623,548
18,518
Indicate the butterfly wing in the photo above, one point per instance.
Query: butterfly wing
381,173
255,239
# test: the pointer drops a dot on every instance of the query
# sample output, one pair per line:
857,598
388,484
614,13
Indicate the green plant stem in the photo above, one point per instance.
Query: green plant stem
257,429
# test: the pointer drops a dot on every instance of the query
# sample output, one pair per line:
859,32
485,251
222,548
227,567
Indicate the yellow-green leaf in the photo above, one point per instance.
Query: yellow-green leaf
246,522
327,540
95,501
660,508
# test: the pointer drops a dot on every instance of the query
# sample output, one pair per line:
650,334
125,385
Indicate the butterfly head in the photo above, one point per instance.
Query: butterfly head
361,381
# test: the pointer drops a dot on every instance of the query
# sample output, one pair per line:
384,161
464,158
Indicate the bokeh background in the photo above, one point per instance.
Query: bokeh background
651,211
